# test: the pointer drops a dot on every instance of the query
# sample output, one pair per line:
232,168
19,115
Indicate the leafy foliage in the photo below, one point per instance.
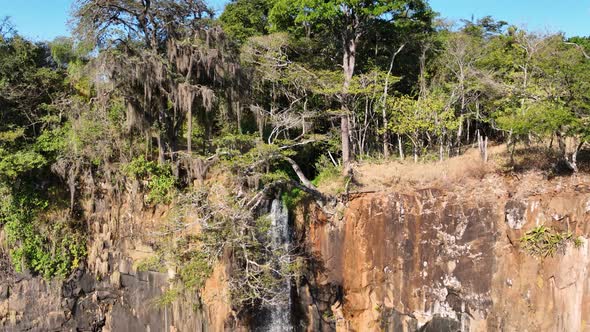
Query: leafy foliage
153,263
246,18
544,242
51,248
159,179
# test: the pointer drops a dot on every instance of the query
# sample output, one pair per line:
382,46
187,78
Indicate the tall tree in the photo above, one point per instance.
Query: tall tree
167,57
352,21
243,19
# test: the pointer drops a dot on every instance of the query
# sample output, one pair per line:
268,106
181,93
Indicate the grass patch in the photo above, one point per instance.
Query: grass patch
542,241
153,263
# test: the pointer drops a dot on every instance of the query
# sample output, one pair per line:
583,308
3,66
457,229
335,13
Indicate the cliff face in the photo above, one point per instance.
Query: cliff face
108,293
448,260
445,258
82,303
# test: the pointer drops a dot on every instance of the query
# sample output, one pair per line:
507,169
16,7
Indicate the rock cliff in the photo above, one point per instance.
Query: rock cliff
449,259
440,258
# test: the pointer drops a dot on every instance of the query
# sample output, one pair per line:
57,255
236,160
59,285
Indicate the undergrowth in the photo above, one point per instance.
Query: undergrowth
41,241
159,179
154,263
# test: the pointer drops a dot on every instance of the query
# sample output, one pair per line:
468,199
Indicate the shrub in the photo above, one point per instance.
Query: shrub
326,170
195,270
51,252
153,263
167,298
542,241
293,197
159,178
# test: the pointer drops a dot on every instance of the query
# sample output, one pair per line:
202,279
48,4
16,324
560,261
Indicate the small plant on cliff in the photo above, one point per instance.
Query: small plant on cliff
542,241
195,270
158,179
167,298
578,242
154,263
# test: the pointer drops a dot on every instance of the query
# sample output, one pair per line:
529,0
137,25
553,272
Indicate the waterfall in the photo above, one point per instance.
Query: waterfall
279,215
279,318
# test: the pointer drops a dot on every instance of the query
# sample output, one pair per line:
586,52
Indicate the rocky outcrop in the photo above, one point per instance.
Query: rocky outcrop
108,293
447,259
124,302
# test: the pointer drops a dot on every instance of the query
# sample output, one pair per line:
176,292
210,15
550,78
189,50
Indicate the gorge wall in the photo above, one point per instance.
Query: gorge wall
109,292
442,258
449,260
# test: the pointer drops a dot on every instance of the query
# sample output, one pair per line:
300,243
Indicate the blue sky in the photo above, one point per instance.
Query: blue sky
46,19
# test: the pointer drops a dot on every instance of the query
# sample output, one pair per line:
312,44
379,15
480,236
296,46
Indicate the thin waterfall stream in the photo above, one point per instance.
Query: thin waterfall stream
280,315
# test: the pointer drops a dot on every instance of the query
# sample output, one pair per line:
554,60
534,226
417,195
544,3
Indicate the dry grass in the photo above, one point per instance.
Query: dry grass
396,174
534,163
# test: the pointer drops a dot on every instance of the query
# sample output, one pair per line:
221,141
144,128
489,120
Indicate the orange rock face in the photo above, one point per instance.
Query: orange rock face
428,259
447,260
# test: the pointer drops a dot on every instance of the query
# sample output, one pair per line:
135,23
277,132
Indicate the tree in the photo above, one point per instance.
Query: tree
352,22
429,116
484,27
7,29
582,43
564,76
29,87
167,57
243,19
459,60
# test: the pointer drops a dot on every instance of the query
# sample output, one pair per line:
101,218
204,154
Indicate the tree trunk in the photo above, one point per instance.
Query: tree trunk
441,153
304,180
575,156
161,158
572,162
385,138
415,144
384,104
400,146
422,78
239,116
345,145
348,63
148,141
189,134
561,144
482,144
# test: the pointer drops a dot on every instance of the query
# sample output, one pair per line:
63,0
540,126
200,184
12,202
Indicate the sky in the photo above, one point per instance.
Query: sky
47,19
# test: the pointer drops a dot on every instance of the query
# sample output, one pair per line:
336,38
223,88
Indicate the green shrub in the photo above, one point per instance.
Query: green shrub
542,241
234,144
161,189
153,263
167,298
292,197
195,270
51,248
54,252
160,181
326,171
263,225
